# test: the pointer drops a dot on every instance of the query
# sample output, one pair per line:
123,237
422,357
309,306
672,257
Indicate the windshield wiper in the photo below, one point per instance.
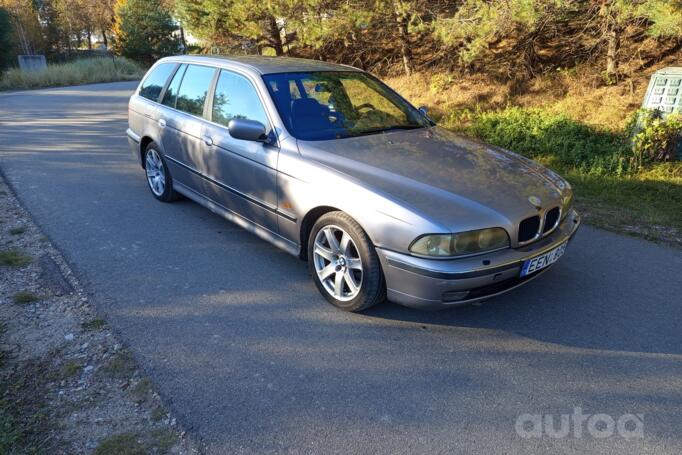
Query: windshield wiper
389,128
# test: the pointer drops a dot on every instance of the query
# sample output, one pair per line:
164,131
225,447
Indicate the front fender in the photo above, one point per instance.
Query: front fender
305,185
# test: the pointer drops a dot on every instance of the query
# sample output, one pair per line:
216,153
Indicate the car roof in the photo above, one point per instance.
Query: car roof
265,65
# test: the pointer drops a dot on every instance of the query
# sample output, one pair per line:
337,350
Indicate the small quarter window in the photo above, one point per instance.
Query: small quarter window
156,80
235,97
194,88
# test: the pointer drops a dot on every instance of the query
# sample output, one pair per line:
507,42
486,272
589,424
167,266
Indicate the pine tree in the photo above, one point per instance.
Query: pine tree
144,30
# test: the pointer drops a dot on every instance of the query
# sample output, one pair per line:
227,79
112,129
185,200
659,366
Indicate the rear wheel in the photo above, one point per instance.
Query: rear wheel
158,176
344,263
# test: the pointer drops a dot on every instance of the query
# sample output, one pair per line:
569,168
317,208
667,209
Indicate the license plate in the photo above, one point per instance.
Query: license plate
542,261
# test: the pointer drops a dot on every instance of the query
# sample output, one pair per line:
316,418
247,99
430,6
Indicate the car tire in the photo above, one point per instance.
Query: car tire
158,175
346,270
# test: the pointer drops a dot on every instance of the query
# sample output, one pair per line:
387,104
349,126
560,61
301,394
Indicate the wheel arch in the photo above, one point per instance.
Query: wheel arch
144,142
307,225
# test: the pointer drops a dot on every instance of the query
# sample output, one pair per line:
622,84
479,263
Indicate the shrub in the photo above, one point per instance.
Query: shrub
557,138
440,82
655,139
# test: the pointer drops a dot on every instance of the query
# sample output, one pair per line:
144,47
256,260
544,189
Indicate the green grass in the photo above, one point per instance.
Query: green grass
86,71
25,297
642,205
23,423
122,366
539,134
70,369
130,443
94,324
13,258
612,191
121,444
141,391
157,414
17,230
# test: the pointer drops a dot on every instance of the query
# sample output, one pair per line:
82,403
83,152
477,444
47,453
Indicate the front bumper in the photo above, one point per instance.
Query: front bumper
437,283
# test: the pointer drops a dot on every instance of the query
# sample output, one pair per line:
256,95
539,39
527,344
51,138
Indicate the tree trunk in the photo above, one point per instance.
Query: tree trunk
402,22
275,36
104,39
182,40
611,31
89,40
612,46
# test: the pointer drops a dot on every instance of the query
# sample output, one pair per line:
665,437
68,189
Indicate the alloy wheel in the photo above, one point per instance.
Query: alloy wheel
156,176
337,263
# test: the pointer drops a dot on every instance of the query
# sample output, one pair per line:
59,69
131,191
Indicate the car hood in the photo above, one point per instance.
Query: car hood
458,182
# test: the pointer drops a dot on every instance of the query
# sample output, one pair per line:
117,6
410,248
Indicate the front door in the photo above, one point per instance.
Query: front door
243,174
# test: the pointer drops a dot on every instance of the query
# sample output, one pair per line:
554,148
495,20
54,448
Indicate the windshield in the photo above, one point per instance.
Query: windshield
332,105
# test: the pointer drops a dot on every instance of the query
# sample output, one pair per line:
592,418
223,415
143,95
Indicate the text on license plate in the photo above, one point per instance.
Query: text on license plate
542,261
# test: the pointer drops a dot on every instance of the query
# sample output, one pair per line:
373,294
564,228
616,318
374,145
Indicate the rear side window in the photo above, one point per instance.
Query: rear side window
171,96
235,97
156,80
194,88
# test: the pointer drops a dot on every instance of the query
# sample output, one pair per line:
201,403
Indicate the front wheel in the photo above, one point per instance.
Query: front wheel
344,263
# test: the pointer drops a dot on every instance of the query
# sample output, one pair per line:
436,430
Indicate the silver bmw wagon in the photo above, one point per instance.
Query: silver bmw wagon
328,163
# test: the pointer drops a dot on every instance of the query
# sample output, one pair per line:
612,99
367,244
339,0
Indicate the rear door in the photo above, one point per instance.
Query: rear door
143,107
243,173
181,117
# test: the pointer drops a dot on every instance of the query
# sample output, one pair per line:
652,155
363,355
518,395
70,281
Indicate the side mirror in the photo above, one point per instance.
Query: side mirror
425,112
248,130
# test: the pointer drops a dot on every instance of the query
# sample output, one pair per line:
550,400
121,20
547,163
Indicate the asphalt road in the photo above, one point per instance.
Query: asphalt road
253,360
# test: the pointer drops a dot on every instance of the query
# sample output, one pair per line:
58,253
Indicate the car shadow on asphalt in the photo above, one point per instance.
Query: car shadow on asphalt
621,308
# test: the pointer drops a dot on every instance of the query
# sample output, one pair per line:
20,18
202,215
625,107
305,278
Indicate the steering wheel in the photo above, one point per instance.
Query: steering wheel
368,106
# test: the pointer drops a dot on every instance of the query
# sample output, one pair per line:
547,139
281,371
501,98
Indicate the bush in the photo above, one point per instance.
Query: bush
655,139
551,137
86,71
440,82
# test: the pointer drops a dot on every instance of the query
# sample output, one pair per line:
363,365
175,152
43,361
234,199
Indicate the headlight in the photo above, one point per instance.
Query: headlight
464,243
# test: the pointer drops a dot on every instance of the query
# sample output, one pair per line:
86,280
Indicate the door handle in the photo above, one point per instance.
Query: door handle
208,141
162,123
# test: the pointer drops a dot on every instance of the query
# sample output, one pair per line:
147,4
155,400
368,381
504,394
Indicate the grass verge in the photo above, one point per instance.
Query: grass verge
611,191
86,71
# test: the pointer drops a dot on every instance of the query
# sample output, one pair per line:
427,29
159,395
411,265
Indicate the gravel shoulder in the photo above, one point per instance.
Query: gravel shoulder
68,384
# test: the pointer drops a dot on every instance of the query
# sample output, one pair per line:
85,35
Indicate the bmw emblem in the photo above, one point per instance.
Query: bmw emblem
537,203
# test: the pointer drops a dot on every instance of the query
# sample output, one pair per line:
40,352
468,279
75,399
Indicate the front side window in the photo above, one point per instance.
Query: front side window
156,80
336,104
170,98
194,88
235,97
